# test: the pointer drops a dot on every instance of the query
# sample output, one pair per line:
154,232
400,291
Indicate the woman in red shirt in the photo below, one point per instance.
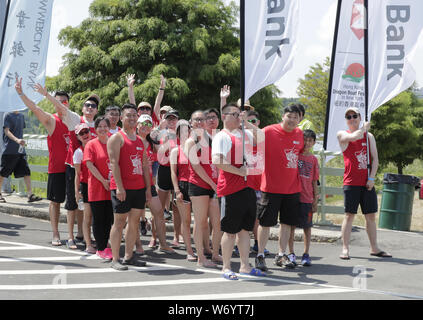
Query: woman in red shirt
202,184
99,174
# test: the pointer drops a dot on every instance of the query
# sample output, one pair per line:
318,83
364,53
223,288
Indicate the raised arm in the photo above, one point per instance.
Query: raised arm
159,97
45,118
224,94
130,79
345,137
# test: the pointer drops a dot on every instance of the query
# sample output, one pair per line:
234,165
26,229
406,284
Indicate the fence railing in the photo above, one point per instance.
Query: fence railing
325,171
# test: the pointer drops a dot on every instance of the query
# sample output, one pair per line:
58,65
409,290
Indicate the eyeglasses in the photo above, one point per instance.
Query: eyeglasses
199,120
253,120
146,124
144,108
214,118
234,114
353,116
90,105
83,132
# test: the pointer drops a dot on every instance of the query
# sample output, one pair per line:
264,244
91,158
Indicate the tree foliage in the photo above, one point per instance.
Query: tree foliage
193,43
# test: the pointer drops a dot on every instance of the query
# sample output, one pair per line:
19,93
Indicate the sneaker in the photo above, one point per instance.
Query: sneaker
293,258
118,266
236,251
133,262
143,227
283,261
167,215
305,260
261,263
254,249
104,255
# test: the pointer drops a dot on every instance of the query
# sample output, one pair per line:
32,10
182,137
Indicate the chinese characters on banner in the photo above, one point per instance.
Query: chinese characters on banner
24,52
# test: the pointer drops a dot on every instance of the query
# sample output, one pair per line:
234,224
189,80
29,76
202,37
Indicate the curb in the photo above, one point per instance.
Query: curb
40,210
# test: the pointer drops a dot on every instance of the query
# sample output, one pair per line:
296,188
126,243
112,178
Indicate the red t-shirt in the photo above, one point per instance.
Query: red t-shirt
281,160
308,167
96,152
355,161
130,163
58,144
74,143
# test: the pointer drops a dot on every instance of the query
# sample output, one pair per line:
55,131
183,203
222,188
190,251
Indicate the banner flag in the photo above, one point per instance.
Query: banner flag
346,84
394,27
24,51
394,30
270,36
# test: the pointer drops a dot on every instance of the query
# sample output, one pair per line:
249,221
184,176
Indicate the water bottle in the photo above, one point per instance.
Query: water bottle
81,205
21,149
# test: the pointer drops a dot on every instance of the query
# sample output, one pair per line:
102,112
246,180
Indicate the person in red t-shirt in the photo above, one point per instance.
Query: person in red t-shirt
58,143
358,181
280,184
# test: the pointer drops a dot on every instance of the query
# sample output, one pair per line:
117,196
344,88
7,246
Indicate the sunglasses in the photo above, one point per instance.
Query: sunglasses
253,120
234,114
146,124
349,117
83,132
90,105
144,108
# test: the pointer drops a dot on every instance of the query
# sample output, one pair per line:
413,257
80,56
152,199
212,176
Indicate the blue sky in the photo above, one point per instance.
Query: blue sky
317,21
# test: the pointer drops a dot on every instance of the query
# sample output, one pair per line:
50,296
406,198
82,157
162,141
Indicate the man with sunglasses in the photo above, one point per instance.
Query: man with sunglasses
359,180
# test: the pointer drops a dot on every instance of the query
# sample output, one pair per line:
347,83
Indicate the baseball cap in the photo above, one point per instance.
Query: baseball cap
165,108
172,112
353,109
145,117
144,104
94,97
247,105
80,127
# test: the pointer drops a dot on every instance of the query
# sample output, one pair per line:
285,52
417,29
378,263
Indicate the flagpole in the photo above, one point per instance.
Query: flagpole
242,91
332,62
4,27
366,78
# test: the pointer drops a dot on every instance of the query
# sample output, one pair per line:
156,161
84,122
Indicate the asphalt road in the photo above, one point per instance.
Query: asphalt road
30,268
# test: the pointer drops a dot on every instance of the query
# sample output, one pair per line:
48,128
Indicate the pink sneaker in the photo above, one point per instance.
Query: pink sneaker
105,255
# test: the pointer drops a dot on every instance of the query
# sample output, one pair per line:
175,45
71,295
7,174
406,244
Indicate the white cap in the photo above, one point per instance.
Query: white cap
145,117
353,109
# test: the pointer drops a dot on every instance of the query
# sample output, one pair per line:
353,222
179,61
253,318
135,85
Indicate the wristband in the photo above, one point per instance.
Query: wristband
21,94
161,88
371,179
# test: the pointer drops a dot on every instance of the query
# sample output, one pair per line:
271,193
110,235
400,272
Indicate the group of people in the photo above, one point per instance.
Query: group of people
233,181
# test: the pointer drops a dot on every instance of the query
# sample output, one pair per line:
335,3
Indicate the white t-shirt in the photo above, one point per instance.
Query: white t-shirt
222,142
72,119
78,155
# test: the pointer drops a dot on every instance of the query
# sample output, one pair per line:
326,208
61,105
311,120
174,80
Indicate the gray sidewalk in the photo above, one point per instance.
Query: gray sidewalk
16,205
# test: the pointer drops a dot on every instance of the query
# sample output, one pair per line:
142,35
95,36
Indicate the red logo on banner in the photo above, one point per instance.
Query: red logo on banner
354,72
358,19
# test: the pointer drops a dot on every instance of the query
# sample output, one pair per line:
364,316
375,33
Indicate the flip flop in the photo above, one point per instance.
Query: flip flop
2,200
191,258
230,275
71,244
56,243
33,198
381,254
254,272
344,257
167,250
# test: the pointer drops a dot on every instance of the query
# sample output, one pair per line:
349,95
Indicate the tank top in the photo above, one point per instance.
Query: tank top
182,165
355,161
204,155
74,143
58,144
130,163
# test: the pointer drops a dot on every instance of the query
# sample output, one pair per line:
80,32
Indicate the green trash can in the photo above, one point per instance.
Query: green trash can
396,207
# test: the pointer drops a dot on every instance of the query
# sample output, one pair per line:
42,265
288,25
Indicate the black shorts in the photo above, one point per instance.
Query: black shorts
153,191
135,199
238,211
56,187
305,219
271,204
83,188
16,164
164,180
357,195
183,187
195,191
70,189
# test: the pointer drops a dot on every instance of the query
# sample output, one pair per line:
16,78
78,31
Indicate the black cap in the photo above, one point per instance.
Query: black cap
172,112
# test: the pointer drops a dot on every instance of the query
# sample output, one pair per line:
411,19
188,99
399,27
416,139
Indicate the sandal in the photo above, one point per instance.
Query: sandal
381,254
254,272
71,244
230,275
2,200
33,198
56,243
168,250
191,257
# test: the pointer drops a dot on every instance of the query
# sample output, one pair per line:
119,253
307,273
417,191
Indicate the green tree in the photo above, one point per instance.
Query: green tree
313,93
193,43
393,126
